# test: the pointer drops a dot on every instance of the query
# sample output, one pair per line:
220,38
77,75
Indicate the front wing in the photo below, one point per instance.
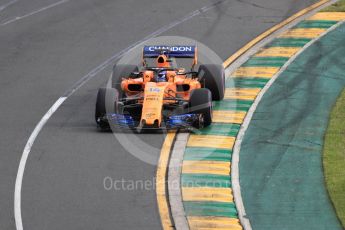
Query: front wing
182,121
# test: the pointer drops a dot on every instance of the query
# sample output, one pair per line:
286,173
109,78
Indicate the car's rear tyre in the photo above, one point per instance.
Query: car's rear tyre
200,102
120,71
106,103
212,77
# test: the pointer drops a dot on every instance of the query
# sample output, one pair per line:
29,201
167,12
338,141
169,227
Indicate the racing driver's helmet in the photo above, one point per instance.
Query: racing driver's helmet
163,61
161,76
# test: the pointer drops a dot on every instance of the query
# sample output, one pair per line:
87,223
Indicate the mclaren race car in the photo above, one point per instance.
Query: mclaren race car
161,95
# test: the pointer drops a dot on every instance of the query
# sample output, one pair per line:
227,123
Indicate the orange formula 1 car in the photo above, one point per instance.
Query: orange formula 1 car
161,95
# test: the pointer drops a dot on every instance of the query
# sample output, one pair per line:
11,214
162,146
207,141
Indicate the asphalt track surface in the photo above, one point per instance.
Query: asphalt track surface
47,46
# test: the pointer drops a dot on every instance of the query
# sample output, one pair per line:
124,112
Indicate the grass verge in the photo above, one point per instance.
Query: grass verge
339,6
334,157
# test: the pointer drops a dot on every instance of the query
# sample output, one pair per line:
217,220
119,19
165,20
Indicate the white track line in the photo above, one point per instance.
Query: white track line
69,92
7,5
34,12
27,149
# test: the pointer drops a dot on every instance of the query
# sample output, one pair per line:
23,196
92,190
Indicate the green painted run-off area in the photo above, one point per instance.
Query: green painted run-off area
281,172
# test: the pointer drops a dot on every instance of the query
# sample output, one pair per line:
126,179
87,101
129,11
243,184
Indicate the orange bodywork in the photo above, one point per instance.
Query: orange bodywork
152,105
155,94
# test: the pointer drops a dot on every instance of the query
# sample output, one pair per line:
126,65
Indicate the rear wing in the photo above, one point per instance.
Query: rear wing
171,52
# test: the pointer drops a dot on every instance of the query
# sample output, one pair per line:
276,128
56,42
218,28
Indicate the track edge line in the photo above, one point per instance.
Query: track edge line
231,64
237,146
270,31
22,163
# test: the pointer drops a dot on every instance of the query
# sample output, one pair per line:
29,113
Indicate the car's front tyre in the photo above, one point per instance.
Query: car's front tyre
106,103
200,102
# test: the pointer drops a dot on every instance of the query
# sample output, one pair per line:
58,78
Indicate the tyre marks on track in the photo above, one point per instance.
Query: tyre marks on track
33,12
2,7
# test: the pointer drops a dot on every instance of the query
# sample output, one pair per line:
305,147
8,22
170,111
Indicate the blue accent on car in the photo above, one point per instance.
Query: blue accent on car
121,119
162,76
182,120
